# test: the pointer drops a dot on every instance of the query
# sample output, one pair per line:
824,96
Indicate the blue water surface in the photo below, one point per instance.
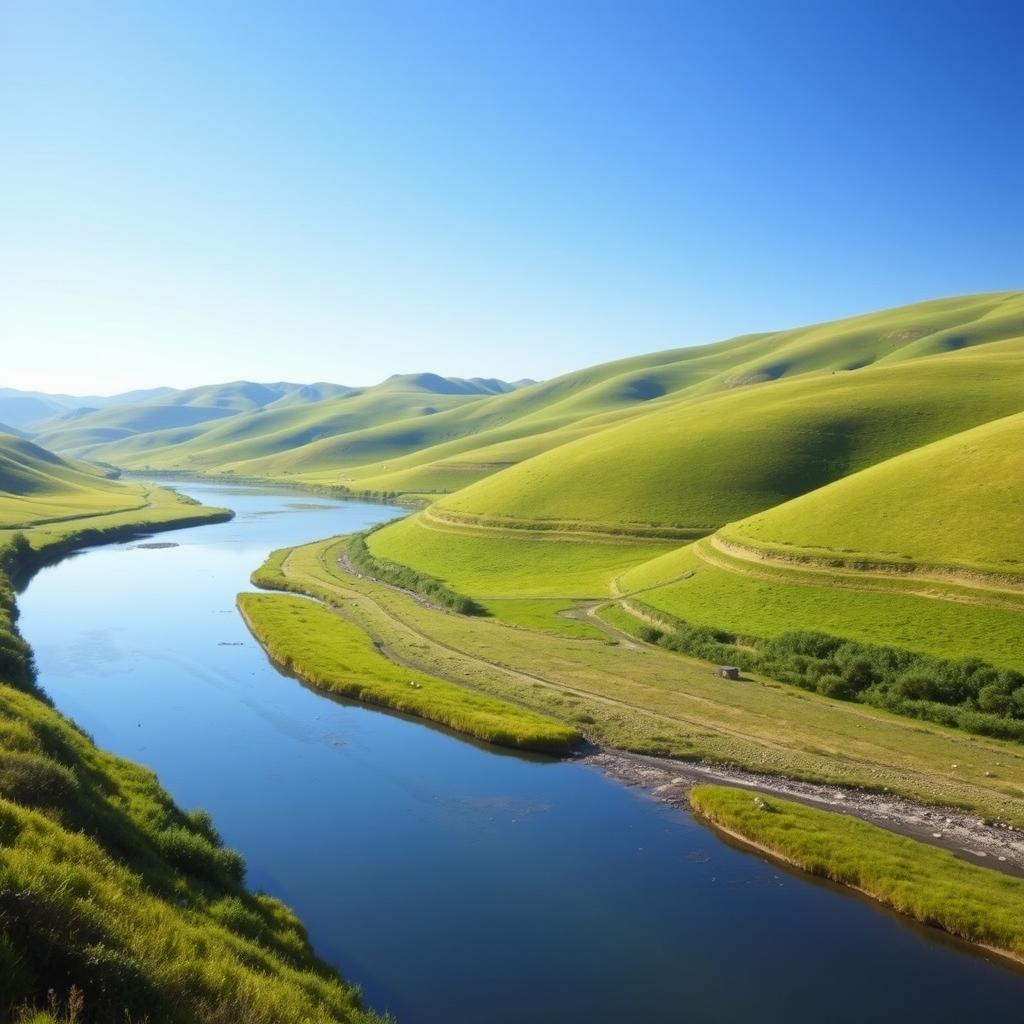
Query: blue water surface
455,882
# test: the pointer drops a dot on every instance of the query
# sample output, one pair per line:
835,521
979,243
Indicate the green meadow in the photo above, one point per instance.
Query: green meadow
496,564
930,885
706,587
332,654
653,700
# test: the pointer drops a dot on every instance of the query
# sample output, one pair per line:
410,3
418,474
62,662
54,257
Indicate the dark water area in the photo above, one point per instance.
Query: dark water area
456,882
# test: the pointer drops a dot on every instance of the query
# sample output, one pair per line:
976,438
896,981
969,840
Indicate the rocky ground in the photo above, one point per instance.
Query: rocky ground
994,845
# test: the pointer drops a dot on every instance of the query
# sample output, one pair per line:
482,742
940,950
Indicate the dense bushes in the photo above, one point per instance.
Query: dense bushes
967,693
409,579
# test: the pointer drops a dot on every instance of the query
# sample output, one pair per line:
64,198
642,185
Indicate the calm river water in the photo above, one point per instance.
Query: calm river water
456,884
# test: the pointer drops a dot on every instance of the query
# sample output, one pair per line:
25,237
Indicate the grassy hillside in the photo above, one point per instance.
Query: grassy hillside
81,431
958,502
460,448
702,463
216,428
923,551
38,486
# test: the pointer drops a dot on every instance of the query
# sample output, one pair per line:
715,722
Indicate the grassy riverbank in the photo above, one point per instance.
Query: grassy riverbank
115,904
925,883
654,701
332,654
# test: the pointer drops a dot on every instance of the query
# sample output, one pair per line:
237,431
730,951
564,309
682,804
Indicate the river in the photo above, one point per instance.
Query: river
456,883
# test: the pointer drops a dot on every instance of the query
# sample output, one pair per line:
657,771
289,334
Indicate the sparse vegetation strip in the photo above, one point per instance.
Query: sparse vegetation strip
927,884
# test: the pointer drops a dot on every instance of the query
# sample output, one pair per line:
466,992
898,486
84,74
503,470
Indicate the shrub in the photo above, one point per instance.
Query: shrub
409,579
196,855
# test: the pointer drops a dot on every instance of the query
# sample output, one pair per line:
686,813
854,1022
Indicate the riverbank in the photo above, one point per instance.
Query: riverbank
658,703
411,500
993,844
314,643
114,902
929,885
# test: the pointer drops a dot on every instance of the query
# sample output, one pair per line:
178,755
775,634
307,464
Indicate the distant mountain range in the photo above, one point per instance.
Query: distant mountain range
40,413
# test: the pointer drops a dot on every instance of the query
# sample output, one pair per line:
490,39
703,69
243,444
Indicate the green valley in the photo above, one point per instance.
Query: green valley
835,510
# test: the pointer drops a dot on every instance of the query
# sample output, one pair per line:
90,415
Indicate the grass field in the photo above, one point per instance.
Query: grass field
927,884
546,615
490,564
749,598
654,701
325,650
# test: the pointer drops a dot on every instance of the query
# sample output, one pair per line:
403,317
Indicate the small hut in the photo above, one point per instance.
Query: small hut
728,672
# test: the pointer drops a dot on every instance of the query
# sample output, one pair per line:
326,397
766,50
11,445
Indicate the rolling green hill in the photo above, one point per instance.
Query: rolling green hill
912,462
956,503
82,430
38,486
215,428
699,464
427,434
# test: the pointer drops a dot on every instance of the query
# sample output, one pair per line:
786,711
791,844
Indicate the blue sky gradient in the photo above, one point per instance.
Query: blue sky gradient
203,191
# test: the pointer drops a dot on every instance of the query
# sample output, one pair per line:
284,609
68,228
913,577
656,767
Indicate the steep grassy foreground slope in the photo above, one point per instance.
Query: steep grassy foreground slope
114,903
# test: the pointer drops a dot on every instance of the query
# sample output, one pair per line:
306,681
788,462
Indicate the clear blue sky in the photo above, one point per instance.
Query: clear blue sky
203,191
